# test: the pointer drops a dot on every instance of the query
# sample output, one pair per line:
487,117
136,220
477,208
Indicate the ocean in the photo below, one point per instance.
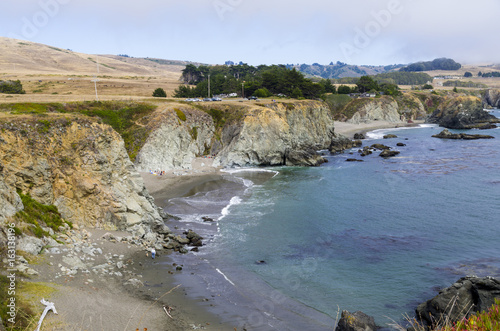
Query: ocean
293,246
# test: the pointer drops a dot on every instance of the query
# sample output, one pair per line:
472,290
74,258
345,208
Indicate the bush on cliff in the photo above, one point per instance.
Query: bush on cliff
38,214
159,93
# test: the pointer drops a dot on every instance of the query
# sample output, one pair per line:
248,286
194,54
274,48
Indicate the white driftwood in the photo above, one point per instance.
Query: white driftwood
48,306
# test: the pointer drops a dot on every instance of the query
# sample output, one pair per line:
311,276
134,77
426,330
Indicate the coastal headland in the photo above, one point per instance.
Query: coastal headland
80,182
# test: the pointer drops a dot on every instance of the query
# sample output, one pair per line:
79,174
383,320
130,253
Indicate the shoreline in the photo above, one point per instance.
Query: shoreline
112,290
349,129
103,301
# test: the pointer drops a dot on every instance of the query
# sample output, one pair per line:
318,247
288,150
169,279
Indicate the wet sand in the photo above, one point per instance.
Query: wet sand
349,129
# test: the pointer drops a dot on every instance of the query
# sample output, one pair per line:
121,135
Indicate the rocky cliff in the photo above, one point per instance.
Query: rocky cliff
491,98
462,112
279,134
368,110
178,135
238,134
78,165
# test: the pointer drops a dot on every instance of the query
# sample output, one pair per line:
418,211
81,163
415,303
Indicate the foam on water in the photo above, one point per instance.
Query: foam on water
236,200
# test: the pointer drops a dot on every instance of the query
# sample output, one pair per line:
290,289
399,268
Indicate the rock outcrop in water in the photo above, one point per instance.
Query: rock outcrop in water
79,166
445,134
464,298
357,321
462,113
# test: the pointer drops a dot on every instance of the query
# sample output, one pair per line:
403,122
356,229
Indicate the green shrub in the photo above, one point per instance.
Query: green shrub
159,93
35,213
11,87
180,114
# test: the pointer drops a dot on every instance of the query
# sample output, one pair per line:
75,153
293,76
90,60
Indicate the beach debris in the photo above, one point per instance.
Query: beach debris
48,306
167,310
260,262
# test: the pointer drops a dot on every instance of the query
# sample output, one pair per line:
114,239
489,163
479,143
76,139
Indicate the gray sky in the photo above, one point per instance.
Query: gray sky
263,32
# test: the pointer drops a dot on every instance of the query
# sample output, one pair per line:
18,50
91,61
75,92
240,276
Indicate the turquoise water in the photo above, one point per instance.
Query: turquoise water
378,236
294,246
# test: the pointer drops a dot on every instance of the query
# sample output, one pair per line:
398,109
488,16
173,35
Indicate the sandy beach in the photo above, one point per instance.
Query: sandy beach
349,129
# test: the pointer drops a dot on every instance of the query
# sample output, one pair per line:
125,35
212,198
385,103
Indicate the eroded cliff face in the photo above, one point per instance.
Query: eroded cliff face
384,109
491,98
79,166
175,141
237,134
279,134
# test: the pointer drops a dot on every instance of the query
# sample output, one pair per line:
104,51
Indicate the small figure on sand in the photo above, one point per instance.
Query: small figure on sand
153,252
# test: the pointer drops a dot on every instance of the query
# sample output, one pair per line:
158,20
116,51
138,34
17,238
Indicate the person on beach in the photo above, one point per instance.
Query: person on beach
153,252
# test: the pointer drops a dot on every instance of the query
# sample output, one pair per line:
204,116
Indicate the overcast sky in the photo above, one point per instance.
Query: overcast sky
377,32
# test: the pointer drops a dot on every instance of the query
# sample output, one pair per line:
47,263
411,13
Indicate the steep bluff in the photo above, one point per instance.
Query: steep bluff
279,134
238,134
178,135
78,165
491,98
367,110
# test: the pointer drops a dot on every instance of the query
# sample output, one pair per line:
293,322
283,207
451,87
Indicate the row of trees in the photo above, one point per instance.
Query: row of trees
260,81
369,84
265,81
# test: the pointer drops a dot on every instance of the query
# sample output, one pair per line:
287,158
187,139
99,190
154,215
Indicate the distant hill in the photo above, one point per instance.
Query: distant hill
437,64
341,70
23,57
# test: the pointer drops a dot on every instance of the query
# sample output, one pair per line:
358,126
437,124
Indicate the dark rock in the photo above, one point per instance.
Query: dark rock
390,136
207,219
400,144
341,143
359,136
389,153
354,160
194,238
486,126
464,298
357,321
303,156
445,134
260,262
380,147
462,113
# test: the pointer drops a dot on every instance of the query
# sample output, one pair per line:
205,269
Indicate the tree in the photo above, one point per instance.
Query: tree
468,74
262,93
11,87
344,89
427,87
160,93
480,74
455,89
366,83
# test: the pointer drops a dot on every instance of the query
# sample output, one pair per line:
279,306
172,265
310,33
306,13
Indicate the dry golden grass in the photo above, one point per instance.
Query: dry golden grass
52,74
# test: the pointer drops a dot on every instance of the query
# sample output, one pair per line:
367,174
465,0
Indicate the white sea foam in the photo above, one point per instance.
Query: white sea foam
380,133
238,170
236,200
225,277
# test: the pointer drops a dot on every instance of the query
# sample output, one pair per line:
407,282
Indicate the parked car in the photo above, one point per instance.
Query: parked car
216,99
207,99
252,98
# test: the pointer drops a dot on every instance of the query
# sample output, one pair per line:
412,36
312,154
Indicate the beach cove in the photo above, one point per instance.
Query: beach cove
276,280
